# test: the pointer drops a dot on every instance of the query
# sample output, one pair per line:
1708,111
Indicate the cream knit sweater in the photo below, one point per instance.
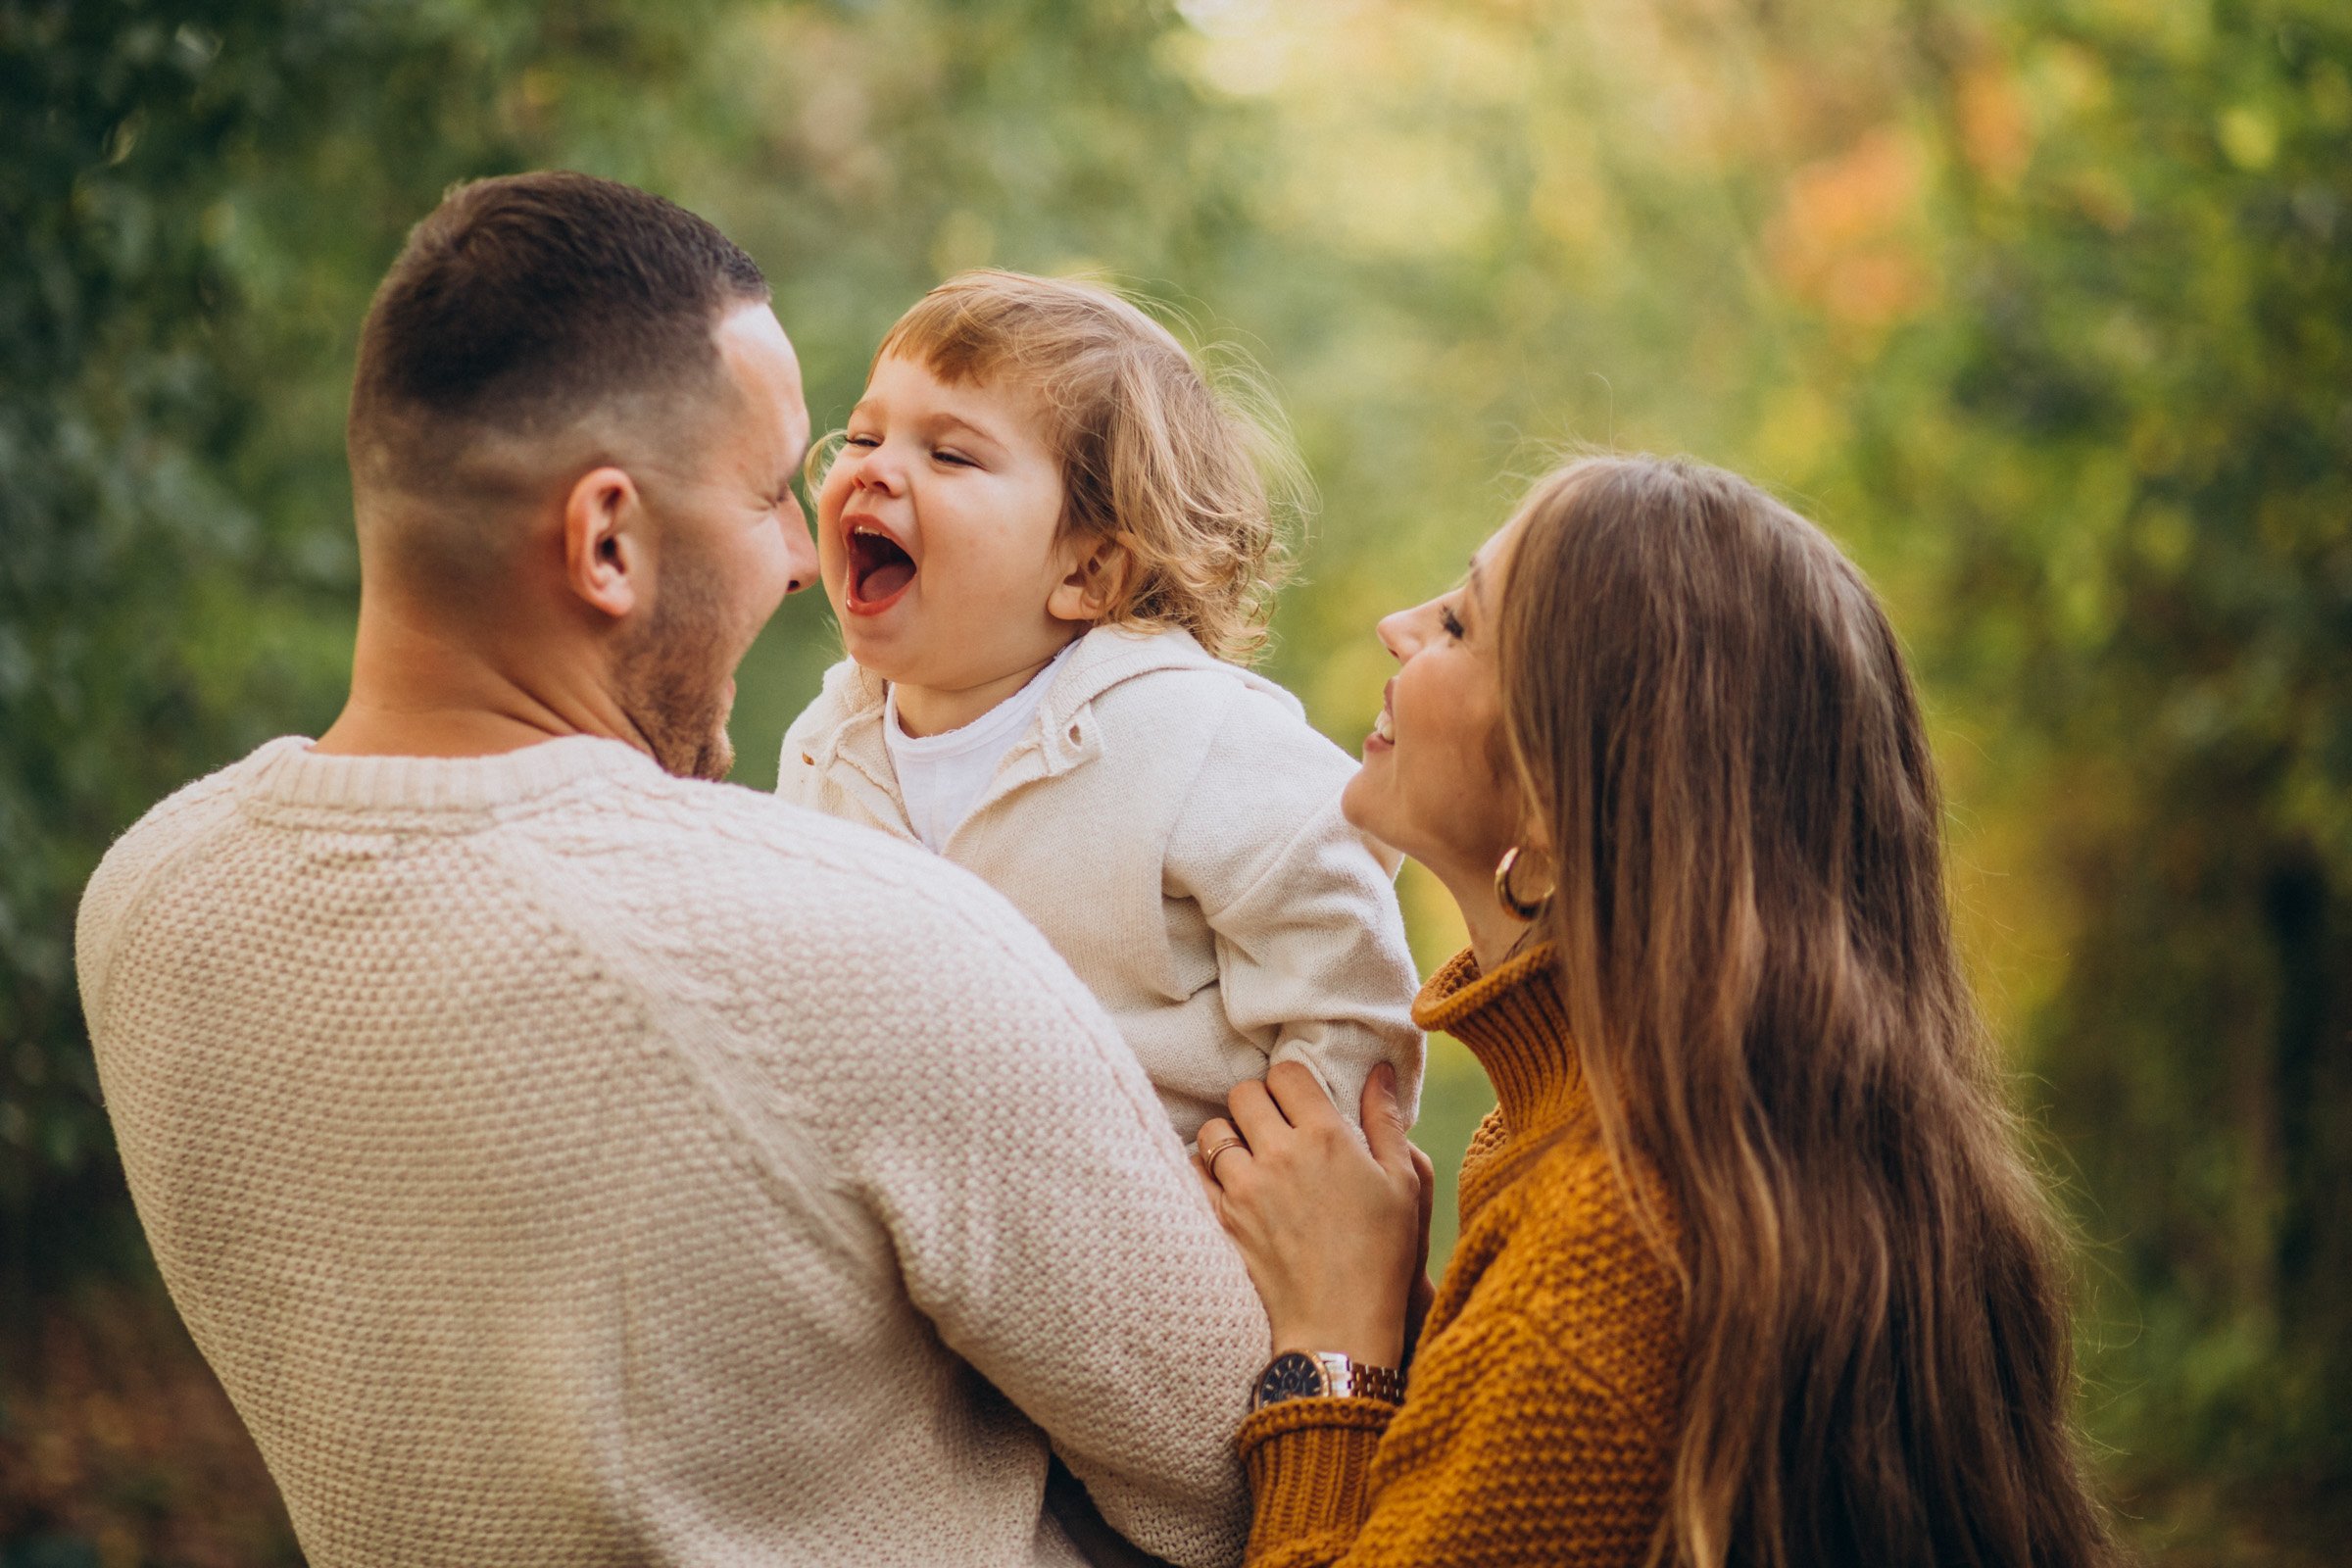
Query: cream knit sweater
1171,823
562,1164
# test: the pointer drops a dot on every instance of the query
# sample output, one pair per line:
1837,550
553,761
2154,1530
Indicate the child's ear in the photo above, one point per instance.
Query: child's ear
1098,566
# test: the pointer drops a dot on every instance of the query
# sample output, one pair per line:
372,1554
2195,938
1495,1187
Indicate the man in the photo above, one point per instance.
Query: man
564,1161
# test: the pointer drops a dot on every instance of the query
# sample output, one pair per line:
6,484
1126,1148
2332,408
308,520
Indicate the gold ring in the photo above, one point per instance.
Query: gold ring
1211,1157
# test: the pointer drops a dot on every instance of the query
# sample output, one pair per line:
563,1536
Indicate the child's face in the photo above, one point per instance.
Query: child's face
938,531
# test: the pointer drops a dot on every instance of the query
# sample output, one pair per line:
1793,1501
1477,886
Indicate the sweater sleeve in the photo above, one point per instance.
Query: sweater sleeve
1312,952
1049,1226
1457,1476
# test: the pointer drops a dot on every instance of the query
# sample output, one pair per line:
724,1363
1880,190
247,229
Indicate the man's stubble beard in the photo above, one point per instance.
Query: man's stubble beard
674,675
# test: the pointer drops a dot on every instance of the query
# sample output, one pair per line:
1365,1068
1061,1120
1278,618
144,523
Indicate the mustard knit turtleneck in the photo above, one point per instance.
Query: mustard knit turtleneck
1539,1424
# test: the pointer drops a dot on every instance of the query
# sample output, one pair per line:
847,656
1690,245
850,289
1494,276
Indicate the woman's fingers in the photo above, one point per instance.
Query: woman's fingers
1219,1144
1426,1173
1256,1113
1211,1191
1384,1122
1303,1100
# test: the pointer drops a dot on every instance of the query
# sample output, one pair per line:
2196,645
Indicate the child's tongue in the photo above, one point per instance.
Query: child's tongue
882,568
884,580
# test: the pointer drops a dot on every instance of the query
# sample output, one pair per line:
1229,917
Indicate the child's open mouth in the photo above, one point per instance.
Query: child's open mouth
880,569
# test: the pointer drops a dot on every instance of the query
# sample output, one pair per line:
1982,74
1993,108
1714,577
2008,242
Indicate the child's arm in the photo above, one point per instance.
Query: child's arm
1312,953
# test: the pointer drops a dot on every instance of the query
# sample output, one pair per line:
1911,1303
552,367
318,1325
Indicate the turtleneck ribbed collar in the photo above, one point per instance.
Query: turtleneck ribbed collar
1515,1023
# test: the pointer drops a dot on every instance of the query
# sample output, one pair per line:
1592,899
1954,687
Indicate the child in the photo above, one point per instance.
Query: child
1045,535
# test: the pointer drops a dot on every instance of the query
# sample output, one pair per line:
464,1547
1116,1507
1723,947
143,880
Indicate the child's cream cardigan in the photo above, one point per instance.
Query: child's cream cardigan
1171,823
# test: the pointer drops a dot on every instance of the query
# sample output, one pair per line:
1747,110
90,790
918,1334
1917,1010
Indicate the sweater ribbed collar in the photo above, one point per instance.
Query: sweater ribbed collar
290,772
1515,1023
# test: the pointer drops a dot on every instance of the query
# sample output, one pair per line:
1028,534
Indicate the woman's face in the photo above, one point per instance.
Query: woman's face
1436,782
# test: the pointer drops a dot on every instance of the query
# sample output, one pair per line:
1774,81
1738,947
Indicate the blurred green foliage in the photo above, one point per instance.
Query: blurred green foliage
2044,307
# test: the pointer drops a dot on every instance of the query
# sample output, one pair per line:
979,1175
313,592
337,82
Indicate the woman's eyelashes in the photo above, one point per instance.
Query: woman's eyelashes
1447,619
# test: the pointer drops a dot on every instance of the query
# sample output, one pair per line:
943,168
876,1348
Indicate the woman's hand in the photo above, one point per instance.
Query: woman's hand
1334,1236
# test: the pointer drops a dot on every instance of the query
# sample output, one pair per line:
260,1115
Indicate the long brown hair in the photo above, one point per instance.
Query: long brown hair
1723,749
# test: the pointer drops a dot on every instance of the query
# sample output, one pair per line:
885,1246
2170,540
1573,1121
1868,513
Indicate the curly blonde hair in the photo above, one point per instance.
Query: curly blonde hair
1192,474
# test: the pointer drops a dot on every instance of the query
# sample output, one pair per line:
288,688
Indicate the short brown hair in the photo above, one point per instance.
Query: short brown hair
520,302
1191,475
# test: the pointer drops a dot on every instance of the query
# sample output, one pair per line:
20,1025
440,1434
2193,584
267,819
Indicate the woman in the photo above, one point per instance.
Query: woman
1751,1270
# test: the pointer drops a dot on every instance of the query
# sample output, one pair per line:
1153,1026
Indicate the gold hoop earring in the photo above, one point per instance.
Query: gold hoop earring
1512,904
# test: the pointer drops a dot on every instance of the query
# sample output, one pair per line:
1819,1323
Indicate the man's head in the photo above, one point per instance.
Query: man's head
573,432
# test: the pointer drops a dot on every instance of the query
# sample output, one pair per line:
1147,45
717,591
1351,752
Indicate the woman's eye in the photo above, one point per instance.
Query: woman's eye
1446,618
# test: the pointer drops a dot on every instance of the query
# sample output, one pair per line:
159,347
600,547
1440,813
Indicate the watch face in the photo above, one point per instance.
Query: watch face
1291,1376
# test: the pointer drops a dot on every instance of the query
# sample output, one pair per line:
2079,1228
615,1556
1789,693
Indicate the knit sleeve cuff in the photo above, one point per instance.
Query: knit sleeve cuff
1310,1465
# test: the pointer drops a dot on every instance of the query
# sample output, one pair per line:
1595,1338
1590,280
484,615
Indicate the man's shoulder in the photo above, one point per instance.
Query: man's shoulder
183,817
200,801
172,828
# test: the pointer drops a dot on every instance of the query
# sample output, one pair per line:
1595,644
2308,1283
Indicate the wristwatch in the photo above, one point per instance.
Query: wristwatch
1324,1374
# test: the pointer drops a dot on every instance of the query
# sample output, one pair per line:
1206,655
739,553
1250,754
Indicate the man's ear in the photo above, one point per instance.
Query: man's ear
604,545
1098,566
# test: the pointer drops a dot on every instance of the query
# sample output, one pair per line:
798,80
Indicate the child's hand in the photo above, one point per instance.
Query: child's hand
1330,1230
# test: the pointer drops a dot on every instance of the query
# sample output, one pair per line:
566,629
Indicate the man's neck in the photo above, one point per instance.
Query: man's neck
365,728
418,690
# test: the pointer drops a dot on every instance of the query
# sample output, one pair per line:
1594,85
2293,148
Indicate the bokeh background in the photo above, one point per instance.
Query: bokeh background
2043,306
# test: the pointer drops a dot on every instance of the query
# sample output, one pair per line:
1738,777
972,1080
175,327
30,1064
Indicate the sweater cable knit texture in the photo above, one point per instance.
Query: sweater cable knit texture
563,1163
1540,1420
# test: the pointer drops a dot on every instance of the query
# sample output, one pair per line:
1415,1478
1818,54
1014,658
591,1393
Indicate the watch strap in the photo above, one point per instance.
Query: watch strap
1325,1374
1357,1381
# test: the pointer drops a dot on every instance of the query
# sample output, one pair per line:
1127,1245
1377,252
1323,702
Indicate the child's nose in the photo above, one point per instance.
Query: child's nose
880,470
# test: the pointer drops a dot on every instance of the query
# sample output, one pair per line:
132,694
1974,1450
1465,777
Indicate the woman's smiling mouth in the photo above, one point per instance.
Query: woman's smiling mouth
880,568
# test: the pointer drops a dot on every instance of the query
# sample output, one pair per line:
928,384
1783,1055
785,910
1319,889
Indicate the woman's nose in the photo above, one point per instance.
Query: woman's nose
1396,634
